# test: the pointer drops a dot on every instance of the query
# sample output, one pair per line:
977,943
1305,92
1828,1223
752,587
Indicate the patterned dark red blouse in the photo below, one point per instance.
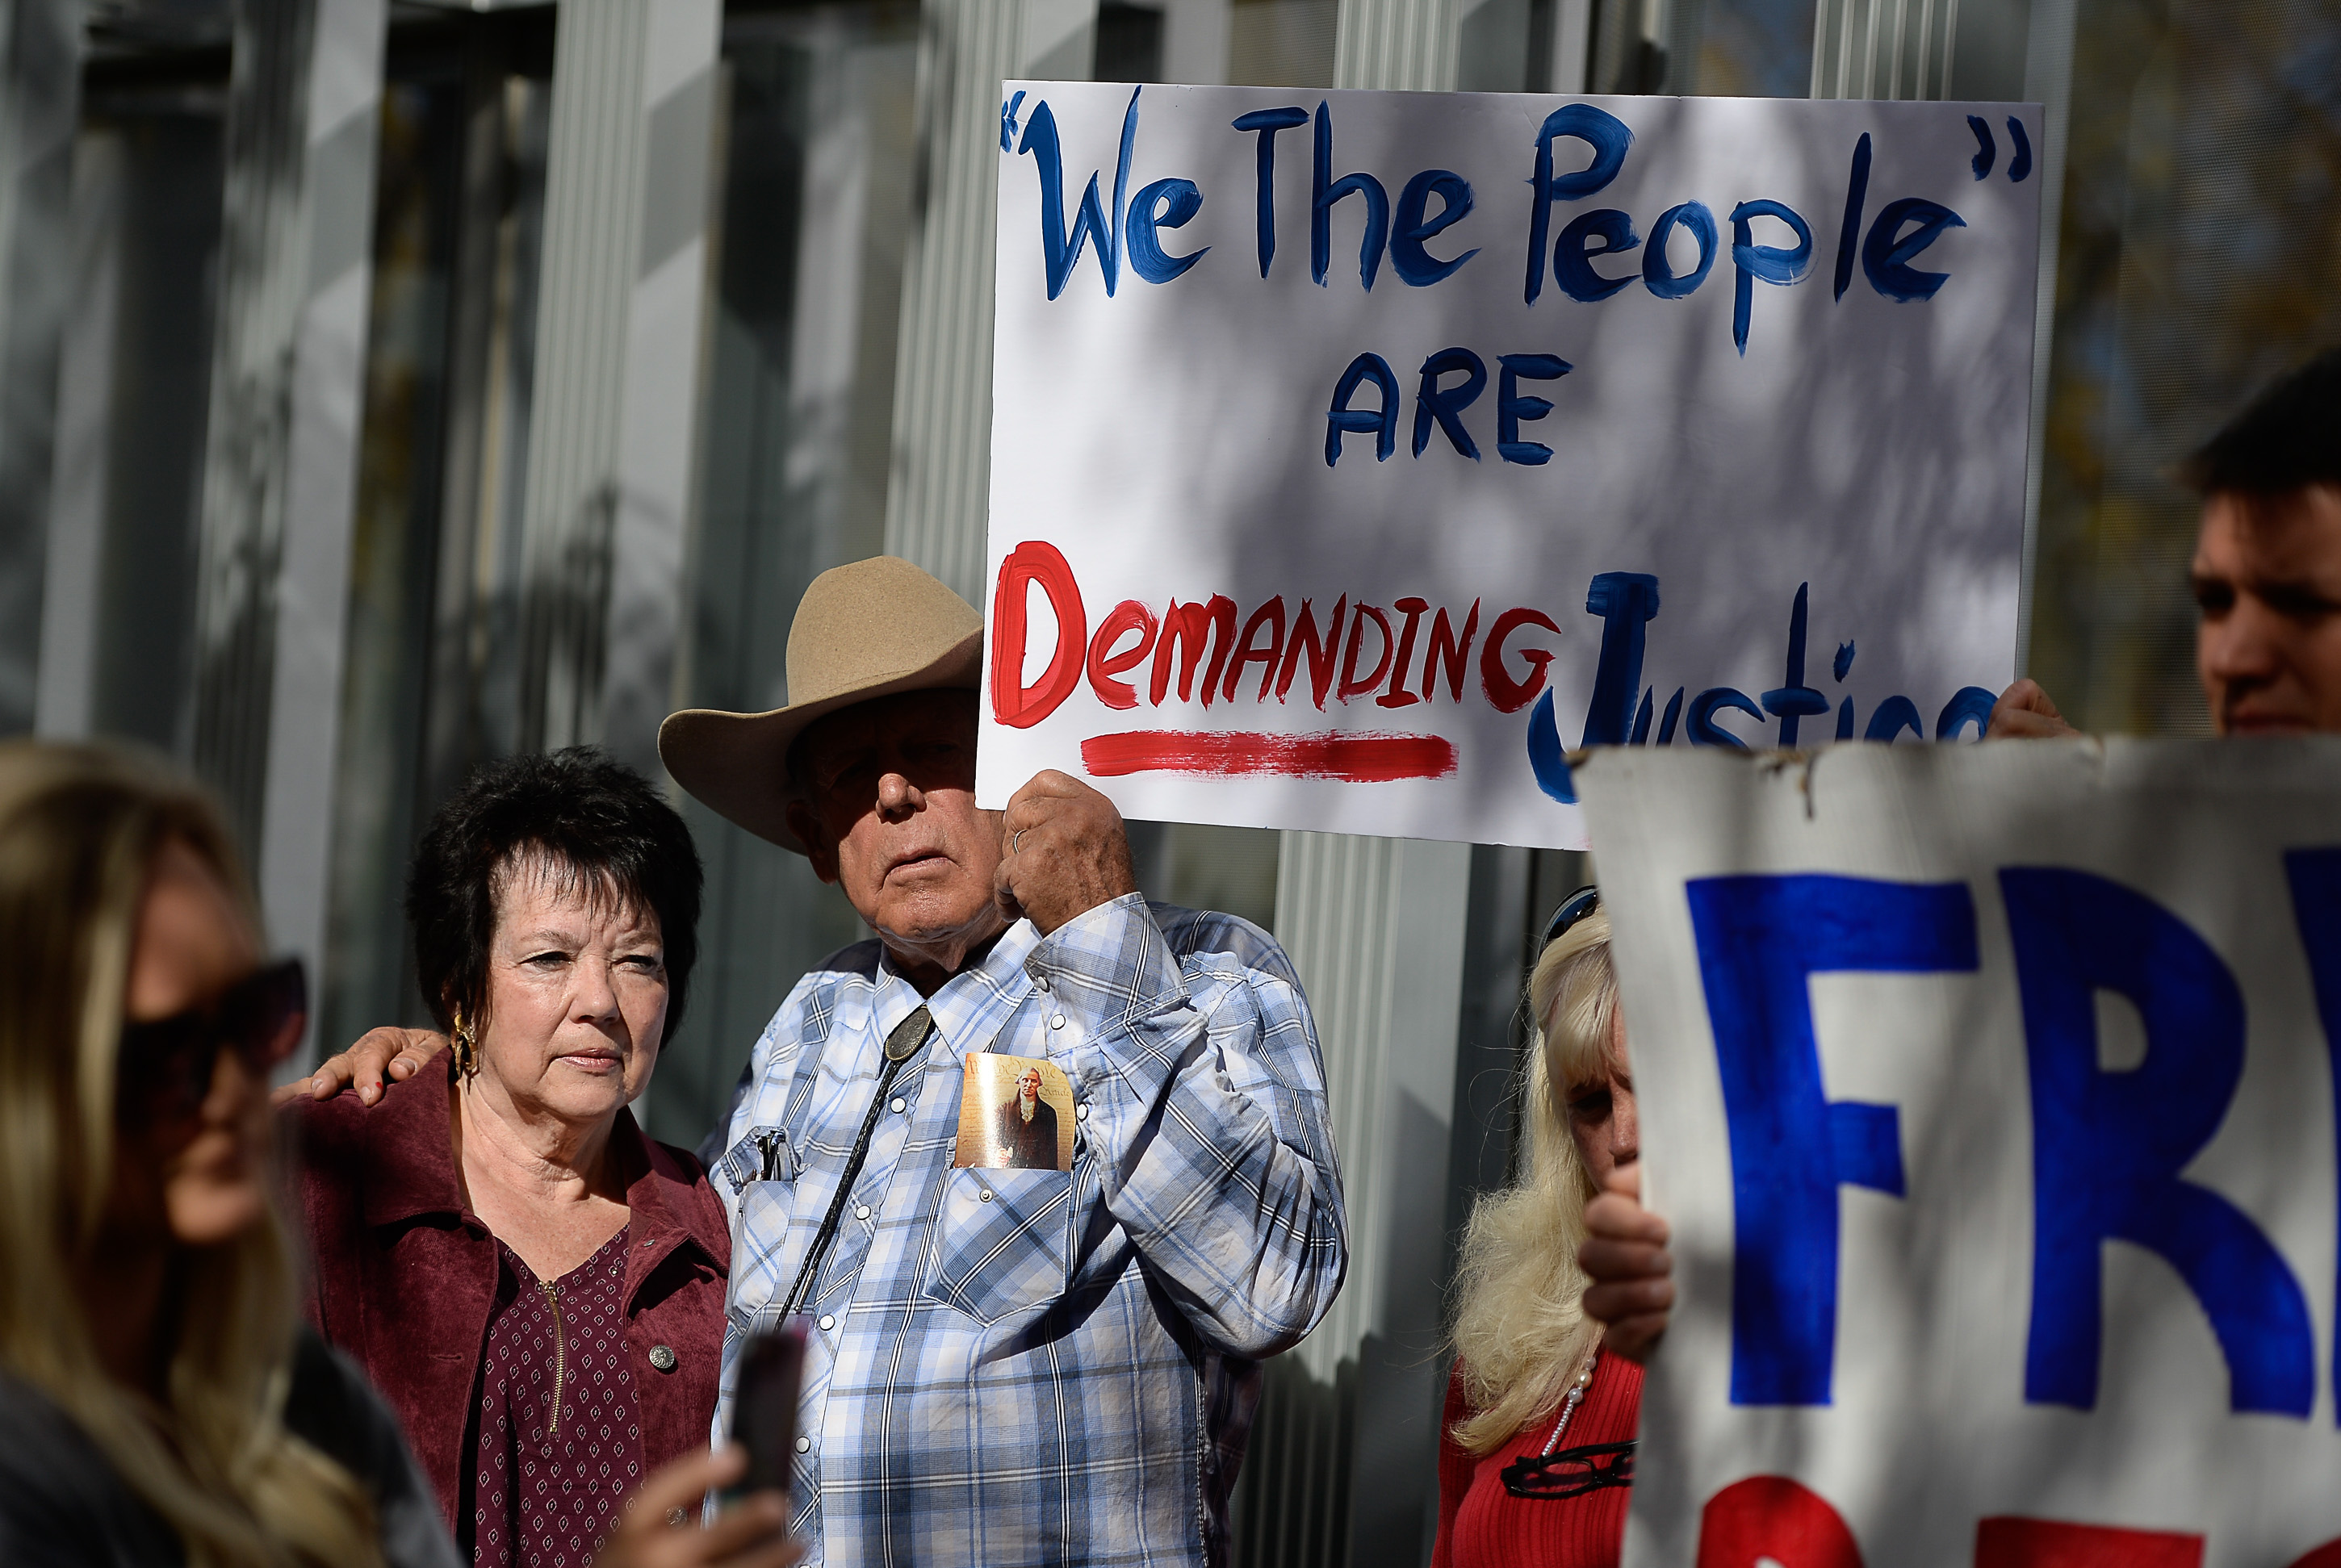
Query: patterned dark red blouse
561,1440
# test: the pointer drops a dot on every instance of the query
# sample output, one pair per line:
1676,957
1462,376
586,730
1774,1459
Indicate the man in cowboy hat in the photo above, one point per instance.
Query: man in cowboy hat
1004,1365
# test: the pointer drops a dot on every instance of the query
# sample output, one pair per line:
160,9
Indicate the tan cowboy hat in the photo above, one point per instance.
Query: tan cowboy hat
868,630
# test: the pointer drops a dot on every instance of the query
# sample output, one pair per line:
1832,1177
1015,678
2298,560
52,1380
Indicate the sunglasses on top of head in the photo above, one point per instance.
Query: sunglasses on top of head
1573,908
165,1070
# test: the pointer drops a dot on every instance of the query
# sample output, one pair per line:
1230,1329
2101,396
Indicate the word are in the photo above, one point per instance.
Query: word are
1443,405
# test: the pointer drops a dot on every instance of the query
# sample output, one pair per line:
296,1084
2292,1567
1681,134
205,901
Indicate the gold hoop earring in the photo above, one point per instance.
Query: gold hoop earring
459,1039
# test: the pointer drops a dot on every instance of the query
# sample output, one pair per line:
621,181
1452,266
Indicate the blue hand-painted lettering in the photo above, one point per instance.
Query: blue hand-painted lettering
1059,250
2107,1147
1761,939
1626,603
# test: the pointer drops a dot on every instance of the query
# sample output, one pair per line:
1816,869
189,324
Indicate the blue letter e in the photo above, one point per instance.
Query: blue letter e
2107,1147
1760,938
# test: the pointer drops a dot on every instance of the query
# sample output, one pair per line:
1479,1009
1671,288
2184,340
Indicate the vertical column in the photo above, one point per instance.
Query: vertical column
1572,46
40,101
280,458
1195,40
612,437
2048,82
666,338
343,116
1405,46
1376,928
938,496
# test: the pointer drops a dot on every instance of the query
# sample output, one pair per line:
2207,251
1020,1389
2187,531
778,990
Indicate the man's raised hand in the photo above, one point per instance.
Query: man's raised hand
1063,851
395,1054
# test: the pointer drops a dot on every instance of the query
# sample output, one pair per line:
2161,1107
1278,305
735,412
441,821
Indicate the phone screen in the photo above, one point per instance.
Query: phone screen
764,1418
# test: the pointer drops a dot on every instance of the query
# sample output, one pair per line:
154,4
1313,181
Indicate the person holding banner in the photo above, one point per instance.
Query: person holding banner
1003,1366
2266,578
1536,1446
2267,573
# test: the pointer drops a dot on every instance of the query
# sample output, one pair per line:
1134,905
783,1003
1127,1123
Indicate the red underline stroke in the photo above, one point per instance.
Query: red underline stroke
1364,759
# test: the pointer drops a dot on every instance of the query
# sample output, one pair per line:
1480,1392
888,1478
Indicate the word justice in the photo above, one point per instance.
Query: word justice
1626,601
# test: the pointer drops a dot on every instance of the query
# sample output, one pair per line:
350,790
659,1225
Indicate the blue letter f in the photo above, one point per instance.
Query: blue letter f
1760,938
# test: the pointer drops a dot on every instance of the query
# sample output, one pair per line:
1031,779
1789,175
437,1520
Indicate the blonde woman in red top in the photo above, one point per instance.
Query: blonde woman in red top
1536,1451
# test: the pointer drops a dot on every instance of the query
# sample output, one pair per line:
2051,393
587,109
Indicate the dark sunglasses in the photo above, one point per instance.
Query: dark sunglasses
1573,908
165,1066
1573,1472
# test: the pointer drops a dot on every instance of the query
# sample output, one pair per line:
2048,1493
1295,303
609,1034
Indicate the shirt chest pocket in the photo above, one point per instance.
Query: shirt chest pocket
765,1250
1003,1241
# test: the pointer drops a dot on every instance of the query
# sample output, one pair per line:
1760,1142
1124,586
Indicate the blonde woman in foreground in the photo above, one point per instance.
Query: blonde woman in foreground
157,1406
1536,1449
158,1403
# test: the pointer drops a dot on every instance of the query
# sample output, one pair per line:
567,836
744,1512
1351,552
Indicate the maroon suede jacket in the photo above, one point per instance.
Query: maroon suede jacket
405,1275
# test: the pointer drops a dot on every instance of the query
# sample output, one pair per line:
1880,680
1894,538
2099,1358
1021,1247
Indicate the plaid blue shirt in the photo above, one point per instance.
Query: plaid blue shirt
1026,1366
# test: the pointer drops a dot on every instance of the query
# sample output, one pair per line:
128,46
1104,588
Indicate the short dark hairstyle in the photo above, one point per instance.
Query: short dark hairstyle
2288,439
588,818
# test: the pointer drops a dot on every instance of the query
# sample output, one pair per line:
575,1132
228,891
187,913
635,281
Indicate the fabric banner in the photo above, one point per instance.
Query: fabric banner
1354,454
1990,1093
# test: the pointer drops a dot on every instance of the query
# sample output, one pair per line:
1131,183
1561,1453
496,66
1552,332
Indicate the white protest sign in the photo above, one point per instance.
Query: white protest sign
1353,453
1990,1092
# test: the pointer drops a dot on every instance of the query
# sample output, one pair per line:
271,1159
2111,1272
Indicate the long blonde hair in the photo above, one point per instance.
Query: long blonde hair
80,828
1520,1327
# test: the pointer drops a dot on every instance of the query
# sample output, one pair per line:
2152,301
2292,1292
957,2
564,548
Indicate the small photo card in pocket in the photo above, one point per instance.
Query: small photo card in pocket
1015,1112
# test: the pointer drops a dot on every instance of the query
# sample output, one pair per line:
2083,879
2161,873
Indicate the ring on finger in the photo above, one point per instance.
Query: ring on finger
1016,841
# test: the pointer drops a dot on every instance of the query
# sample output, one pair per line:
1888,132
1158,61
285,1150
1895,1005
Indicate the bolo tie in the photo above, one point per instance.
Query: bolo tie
901,1045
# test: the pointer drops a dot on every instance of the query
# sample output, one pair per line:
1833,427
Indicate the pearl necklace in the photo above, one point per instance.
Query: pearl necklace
1576,1397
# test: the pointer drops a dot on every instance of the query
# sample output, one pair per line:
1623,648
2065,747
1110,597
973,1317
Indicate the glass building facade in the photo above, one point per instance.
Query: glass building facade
388,387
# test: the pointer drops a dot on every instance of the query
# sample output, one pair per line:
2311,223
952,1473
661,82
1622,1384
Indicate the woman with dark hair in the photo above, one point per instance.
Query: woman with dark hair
537,1287
160,1402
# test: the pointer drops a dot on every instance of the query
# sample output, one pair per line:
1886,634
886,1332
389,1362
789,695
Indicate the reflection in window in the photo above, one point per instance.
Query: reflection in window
1129,41
2197,261
816,207
428,691
135,388
1281,43
1728,48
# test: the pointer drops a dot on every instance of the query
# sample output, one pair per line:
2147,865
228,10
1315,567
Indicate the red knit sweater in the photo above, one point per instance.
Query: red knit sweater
1481,1525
